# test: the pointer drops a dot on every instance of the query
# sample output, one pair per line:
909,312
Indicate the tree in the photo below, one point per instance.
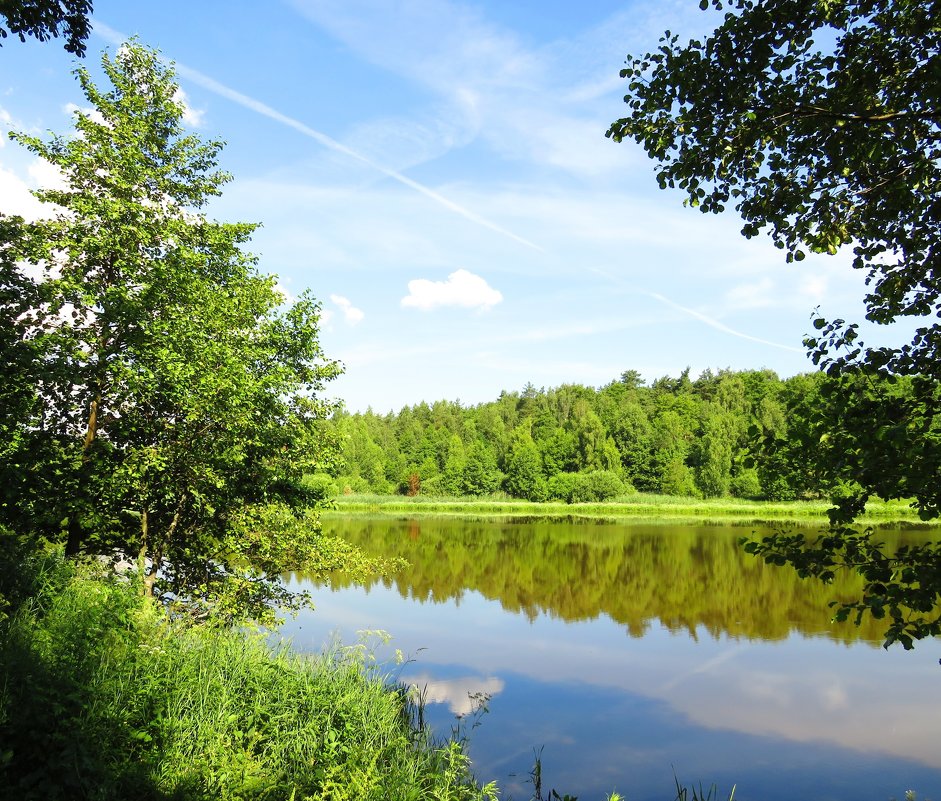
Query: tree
44,19
672,437
481,475
524,476
174,408
714,468
455,465
820,122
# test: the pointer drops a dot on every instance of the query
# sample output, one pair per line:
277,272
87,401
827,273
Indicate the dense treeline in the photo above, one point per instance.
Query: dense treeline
747,434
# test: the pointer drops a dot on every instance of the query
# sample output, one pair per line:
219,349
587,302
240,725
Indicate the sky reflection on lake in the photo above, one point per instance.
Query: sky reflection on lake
799,717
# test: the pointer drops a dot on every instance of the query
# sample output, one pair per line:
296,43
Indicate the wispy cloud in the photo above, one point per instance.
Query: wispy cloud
755,295
815,287
528,103
698,315
462,289
214,86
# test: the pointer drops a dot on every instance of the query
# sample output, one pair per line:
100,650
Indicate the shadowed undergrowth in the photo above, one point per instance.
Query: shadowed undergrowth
103,698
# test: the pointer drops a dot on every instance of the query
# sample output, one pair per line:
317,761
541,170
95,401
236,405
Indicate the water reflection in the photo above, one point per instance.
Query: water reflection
465,695
747,685
688,578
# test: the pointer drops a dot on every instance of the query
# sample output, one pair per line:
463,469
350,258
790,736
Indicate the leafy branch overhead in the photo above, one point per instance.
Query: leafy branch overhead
819,121
45,19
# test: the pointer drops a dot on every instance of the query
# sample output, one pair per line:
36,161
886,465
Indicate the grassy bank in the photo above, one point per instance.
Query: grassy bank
101,697
637,506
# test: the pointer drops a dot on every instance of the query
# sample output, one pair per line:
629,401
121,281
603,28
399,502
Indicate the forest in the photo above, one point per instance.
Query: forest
747,434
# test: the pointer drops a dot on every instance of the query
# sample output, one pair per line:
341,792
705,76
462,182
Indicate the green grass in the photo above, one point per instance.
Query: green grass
101,697
637,506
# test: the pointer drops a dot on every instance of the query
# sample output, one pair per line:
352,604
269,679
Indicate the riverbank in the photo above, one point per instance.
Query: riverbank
104,697
637,506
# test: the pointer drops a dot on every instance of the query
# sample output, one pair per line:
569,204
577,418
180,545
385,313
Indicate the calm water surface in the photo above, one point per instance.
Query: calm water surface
629,652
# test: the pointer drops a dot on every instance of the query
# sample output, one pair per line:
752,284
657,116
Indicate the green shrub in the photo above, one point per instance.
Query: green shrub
597,485
353,484
320,486
746,484
561,486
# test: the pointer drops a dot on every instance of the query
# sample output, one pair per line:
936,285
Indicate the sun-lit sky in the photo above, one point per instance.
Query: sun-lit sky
436,173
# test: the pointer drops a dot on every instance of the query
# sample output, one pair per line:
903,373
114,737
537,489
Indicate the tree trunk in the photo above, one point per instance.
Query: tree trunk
73,545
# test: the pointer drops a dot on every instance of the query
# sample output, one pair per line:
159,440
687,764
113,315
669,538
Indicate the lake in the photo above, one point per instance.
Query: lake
626,653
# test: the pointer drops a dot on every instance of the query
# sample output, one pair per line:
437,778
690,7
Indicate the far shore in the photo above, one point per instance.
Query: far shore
638,507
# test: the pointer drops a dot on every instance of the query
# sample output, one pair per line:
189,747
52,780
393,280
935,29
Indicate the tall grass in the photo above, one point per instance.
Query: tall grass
102,698
638,506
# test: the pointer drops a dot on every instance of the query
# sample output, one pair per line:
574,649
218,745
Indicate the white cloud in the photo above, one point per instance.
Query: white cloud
6,123
86,111
283,292
757,295
15,197
351,314
815,287
46,175
464,696
462,288
191,116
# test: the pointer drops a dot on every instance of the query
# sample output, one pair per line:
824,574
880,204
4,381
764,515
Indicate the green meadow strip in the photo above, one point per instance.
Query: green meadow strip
638,507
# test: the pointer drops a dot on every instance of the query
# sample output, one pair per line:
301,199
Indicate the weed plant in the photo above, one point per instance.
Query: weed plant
102,697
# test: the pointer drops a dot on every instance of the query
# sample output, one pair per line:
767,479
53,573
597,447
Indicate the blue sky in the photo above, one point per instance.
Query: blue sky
436,173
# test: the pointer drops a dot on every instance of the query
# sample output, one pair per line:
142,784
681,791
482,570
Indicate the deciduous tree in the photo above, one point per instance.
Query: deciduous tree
819,121
175,402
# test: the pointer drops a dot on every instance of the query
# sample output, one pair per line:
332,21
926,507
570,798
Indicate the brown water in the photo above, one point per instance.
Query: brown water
626,652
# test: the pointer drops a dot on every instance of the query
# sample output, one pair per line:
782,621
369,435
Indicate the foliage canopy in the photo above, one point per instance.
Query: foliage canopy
44,19
819,121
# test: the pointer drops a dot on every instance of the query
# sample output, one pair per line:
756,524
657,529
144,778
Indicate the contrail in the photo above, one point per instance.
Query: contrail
214,86
703,318
712,323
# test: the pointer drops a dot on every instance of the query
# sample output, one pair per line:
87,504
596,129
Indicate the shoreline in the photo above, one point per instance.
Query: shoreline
637,508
